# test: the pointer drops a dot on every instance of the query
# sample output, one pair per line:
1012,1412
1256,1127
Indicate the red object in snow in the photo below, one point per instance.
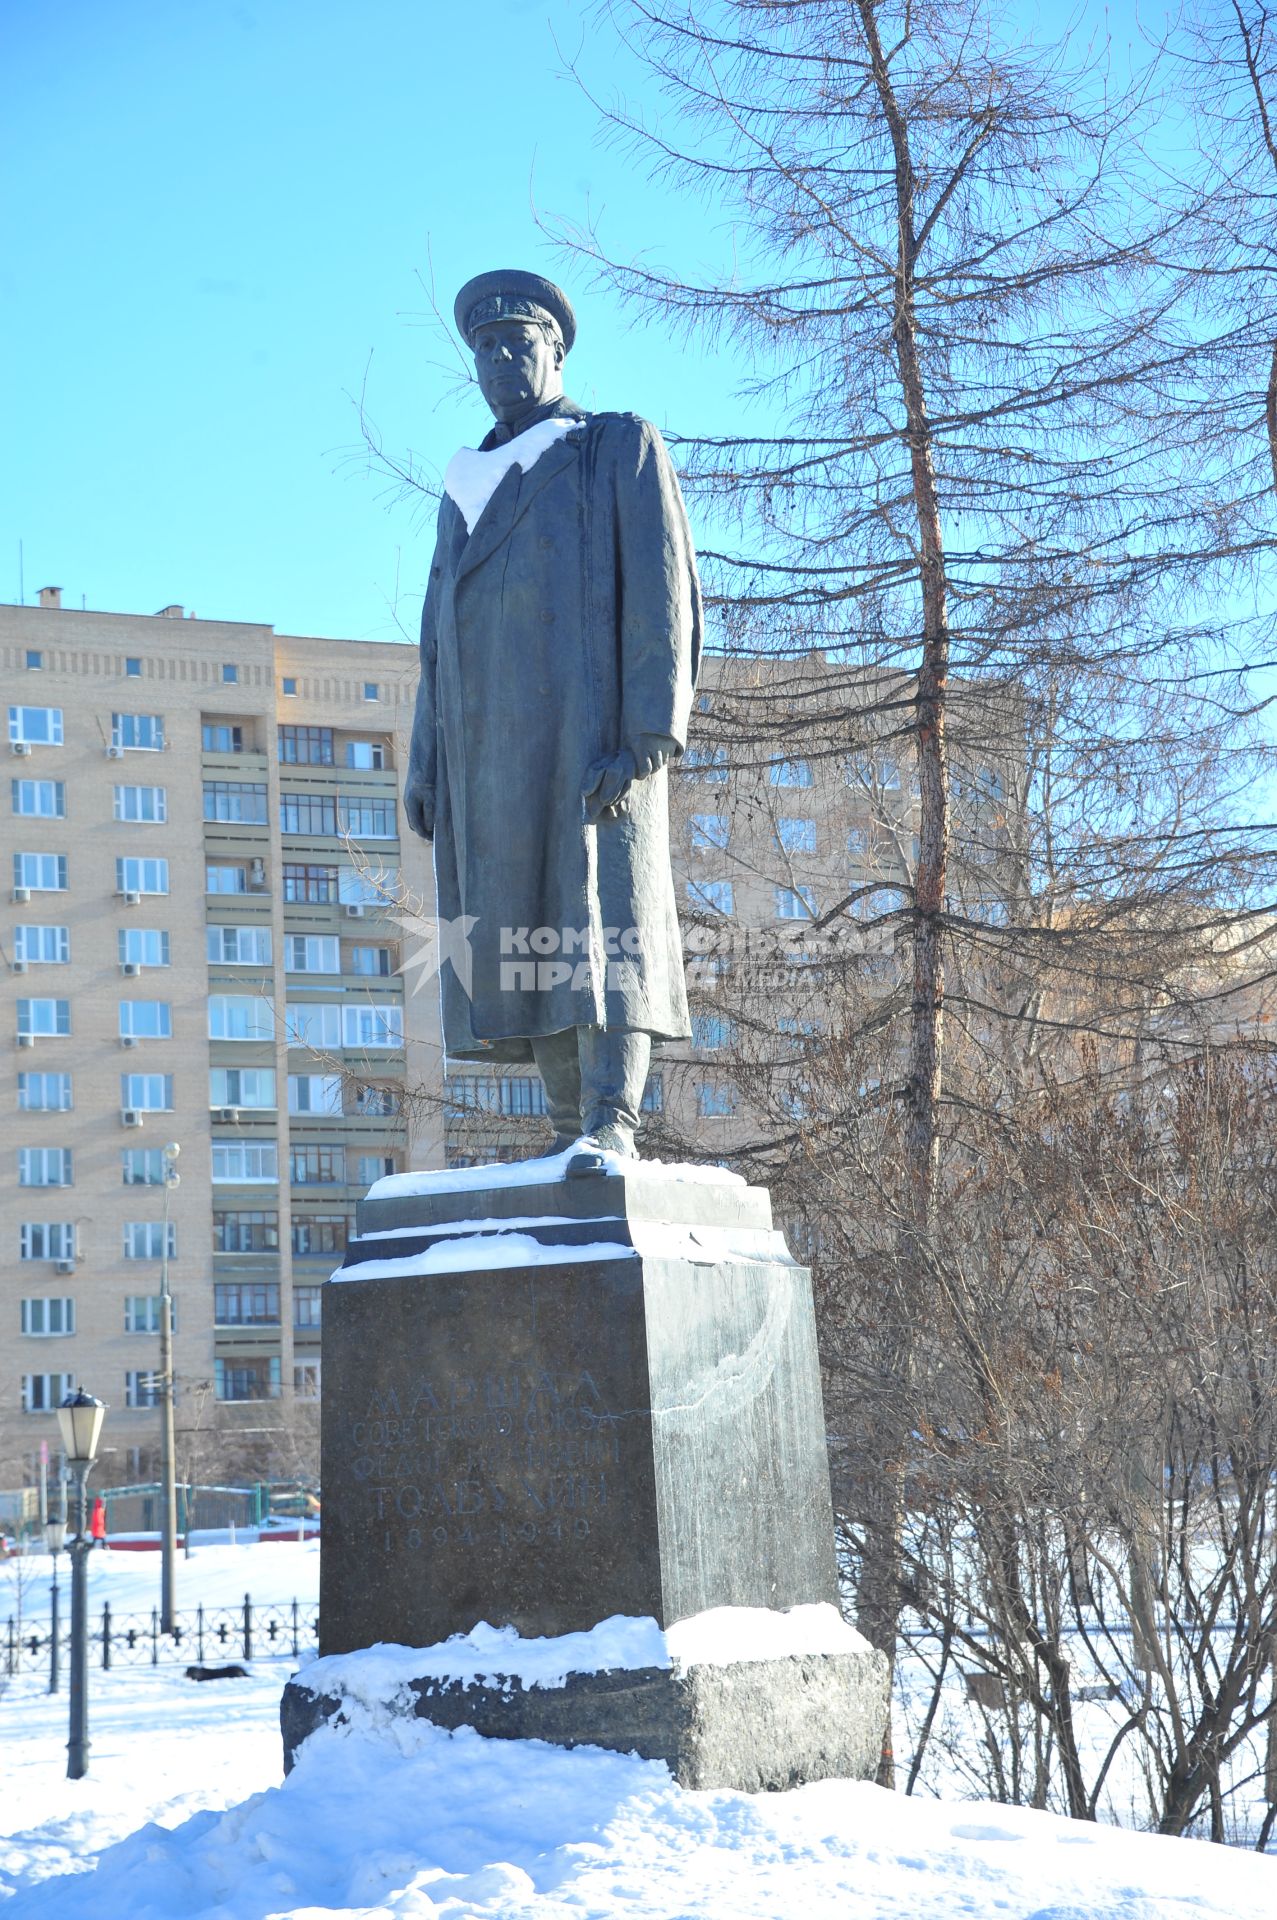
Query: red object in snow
97,1525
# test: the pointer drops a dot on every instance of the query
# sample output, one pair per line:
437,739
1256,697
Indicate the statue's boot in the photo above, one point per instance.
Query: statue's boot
613,1075
558,1061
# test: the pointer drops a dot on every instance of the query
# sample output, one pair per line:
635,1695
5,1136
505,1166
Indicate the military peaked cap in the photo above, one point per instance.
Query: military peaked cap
510,294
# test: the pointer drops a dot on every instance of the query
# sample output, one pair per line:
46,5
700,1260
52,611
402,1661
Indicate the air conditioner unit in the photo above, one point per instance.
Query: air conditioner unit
18,966
354,913
229,1116
115,753
21,747
26,1039
65,1266
130,1117
130,898
130,968
128,1040
21,895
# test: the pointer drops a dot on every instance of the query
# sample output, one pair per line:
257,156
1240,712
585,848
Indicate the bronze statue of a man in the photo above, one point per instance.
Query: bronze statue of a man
560,641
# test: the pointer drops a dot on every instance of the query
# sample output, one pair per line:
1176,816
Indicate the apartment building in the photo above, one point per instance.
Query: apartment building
201,945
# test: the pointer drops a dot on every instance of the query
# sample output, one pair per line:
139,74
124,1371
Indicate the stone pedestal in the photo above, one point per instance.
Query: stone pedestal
553,1402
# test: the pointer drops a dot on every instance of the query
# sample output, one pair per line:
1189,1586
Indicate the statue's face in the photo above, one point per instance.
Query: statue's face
519,365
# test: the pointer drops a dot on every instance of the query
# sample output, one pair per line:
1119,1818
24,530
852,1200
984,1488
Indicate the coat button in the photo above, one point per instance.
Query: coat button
547,618
545,542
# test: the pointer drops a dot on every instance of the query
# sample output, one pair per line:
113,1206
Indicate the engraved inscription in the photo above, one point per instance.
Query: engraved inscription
486,1460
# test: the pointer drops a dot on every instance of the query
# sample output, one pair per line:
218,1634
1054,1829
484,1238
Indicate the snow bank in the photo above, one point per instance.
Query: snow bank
471,477
448,1826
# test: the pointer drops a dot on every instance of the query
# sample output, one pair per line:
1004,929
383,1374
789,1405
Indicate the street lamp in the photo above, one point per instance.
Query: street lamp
80,1417
55,1533
168,1469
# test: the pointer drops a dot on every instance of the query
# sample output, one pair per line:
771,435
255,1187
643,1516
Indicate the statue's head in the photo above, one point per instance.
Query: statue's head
520,329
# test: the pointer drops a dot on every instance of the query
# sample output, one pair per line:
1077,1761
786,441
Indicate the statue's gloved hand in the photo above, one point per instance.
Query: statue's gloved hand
607,786
652,751
419,805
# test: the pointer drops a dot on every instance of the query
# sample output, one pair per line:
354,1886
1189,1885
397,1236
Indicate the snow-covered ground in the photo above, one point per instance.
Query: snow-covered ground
184,1815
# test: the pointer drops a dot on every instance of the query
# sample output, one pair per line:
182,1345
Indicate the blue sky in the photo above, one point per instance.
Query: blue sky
218,220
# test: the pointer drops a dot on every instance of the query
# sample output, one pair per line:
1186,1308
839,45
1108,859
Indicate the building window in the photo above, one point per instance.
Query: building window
312,953
320,1232
710,1031
225,879
42,946
367,819
35,660
873,772
317,1166
242,1087
220,737
289,688
307,1306
39,799
374,961
795,903
709,830
147,1092
45,1167
653,1095
307,813
306,746
36,726
230,675
143,946
144,1240
368,755
239,802
858,841
238,946
135,875
796,836
371,690
505,1093
40,872
306,1379
142,1312
705,763
376,1101
246,1379
246,1231
876,901
44,1093
142,1389
45,1019
240,1017
246,1303
142,1166
714,1101
132,668
138,732
148,805
373,1024
359,889
146,1020
312,886
48,1319
790,773
245,1164
377,1166
45,1392
314,1093
46,1240
711,896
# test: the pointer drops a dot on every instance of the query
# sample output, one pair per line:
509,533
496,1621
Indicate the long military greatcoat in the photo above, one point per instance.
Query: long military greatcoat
567,624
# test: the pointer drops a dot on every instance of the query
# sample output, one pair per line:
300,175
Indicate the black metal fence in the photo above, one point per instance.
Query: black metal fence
210,1635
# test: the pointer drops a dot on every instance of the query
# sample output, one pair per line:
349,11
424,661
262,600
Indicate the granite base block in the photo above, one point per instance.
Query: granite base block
757,1726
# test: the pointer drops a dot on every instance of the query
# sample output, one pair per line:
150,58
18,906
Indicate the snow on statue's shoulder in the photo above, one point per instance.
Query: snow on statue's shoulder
472,477
536,1173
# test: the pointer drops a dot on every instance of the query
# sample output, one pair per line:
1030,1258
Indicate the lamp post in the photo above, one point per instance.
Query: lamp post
168,1469
55,1533
80,1418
